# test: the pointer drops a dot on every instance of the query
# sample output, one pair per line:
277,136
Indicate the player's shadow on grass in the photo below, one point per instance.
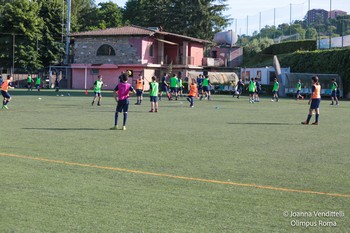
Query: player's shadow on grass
68,129
260,123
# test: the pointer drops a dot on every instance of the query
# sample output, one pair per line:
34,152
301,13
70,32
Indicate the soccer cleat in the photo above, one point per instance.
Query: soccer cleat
114,127
304,123
150,110
332,104
315,123
156,110
98,104
5,107
124,128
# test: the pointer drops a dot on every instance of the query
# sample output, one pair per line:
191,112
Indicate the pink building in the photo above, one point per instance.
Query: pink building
147,51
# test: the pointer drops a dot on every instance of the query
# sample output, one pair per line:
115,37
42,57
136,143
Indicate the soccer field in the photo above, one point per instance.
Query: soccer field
223,166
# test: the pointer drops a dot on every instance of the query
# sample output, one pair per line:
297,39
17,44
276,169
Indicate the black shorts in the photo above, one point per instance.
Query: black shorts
5,94
123,105
139,92
315,103
206,88
98,94
334,94
164,88
298,92
154,99
173,89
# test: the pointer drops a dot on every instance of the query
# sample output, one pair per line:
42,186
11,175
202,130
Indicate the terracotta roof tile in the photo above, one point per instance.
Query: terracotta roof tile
126,30
133,30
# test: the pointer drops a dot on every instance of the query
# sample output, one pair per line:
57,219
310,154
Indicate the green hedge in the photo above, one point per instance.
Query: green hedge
291,46
336,61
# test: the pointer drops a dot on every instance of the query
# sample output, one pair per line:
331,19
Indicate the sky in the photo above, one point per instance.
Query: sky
284,11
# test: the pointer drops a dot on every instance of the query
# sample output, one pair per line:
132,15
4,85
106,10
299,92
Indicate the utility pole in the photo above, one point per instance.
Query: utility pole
329,20
13,53
68,31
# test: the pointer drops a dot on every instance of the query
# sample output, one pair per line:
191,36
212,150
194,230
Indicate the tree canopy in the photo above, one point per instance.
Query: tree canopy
196,18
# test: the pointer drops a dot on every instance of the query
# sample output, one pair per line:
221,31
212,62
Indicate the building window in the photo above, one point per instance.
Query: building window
95,71
151,50
105,50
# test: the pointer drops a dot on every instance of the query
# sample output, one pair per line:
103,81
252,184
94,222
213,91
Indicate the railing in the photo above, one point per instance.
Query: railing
213,62
179,60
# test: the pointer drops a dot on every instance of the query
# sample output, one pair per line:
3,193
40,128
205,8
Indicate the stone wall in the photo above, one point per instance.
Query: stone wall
127,50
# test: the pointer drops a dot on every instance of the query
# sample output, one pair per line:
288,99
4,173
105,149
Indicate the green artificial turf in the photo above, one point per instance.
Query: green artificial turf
226,139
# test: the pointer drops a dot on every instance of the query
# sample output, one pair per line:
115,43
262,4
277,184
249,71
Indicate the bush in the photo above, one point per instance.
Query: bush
291,46
336,61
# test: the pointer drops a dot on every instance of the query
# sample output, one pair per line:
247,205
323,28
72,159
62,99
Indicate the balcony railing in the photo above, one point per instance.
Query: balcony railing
213,62
179,60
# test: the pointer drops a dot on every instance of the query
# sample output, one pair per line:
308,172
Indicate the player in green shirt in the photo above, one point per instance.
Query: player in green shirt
206,88
98,84
276,87
173,86
29,82
334,92
153,93
252,88
180,87
38,83
299,90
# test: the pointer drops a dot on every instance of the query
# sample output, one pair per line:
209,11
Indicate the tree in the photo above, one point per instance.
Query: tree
51,47
196,18
343,25
106,15
20,18
79,10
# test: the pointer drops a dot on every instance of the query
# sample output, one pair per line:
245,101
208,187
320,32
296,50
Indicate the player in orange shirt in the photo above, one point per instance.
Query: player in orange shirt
4,91
314,101
139,89
192,93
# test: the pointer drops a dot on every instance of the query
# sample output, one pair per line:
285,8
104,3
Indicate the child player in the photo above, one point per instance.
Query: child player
4,91
139,89
251,87
173,85
193,93
299,90
239,87
276,87
315,101
153,93
334,92
180,86
257,90
164,87
97,90
121,96
206,88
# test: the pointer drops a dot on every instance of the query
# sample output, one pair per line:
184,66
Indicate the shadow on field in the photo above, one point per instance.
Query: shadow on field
260,123
67,129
